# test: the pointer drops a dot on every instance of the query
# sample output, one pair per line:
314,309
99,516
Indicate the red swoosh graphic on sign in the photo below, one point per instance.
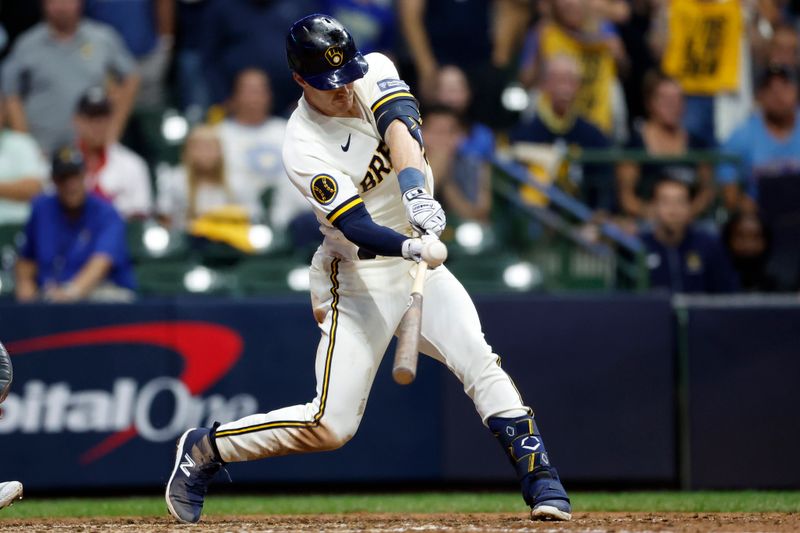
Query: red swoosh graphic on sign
209,350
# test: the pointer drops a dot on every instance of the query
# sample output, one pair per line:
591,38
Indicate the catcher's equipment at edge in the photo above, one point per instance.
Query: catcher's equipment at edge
6,373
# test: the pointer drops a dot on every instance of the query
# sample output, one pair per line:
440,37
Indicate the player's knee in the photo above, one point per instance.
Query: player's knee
337,433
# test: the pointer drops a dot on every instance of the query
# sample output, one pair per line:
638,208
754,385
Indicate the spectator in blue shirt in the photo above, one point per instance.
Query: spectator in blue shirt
556,121
682,258
768,143
75,245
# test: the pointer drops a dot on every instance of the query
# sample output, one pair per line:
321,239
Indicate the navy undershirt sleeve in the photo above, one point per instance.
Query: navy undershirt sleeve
360,229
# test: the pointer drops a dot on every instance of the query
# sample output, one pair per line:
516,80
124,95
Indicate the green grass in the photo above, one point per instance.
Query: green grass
430,502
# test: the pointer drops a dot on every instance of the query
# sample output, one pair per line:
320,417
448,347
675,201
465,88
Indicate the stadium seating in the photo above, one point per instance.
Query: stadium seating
171,278
261,276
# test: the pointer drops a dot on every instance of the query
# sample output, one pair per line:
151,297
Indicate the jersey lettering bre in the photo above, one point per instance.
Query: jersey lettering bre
340,163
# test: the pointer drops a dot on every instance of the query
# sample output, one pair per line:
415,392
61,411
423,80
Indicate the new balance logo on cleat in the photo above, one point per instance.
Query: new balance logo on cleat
187,464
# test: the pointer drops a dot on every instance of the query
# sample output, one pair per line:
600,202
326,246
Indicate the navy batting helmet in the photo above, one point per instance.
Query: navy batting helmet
322,52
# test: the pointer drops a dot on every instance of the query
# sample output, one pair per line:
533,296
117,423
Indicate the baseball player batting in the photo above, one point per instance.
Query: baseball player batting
10,491
353,148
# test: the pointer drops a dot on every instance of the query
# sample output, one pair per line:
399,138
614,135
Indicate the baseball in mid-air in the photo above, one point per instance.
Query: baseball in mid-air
435,253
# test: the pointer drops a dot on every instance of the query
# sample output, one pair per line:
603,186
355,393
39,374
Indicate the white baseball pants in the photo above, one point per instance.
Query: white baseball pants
358,306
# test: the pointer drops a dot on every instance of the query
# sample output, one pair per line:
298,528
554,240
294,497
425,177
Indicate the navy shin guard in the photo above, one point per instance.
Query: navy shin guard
523,444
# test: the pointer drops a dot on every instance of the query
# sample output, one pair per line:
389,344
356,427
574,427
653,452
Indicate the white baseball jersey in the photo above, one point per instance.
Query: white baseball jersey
338,163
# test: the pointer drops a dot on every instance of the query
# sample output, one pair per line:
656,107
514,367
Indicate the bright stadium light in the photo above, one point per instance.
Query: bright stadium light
515,98
156,240
298,279
469,236
174,127
522,276
260,236
198,279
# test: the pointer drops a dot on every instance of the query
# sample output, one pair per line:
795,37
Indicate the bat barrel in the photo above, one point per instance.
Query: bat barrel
407,351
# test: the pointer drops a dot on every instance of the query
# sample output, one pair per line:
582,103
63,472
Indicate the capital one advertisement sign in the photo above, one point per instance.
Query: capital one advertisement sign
101,393
127,408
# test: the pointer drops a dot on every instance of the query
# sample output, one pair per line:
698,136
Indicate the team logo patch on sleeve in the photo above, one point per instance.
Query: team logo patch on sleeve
392,83
324,188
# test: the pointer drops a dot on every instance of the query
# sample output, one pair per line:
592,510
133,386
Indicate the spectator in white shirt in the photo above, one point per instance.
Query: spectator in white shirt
23,172
197,187
251,142
112,170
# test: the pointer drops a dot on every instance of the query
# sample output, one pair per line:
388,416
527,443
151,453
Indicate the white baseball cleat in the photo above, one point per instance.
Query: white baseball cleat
557,512
10,491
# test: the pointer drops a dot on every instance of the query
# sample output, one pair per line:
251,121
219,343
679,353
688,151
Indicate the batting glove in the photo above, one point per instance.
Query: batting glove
425,249
424,213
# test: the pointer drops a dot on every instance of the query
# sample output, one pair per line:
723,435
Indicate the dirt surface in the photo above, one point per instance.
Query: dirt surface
482,522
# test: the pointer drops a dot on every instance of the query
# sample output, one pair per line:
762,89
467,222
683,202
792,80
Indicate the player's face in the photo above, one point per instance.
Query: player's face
334,103
672,207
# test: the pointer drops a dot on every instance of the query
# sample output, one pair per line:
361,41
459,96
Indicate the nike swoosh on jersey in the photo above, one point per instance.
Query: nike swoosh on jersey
345,147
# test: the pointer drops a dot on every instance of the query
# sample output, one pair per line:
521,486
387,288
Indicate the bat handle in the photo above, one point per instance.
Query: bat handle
419,278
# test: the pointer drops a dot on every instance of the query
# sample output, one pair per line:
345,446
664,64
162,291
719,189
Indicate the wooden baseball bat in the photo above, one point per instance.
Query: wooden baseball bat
405,356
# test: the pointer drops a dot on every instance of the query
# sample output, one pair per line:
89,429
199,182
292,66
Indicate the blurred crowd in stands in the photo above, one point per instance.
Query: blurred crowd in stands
673,120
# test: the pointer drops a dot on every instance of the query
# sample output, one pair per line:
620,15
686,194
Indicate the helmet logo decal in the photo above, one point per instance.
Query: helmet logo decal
324,188
334,56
